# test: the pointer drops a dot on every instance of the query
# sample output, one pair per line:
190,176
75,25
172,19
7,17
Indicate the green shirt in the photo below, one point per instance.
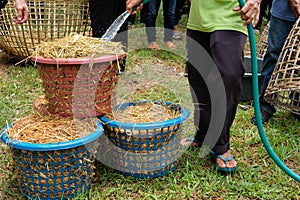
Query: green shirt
212,15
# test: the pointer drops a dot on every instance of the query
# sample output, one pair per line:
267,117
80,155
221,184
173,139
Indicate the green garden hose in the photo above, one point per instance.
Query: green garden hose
261,131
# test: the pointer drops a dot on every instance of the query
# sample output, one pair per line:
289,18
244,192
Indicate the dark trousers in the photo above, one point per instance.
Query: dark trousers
179,5
150,15
265,7
182,7
278,32
226,48
102,14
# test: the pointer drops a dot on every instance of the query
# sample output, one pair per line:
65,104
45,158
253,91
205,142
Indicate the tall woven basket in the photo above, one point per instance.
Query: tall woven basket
284,86
48,20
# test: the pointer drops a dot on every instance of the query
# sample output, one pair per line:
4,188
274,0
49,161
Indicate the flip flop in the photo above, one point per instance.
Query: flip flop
190,140
177,36
214,157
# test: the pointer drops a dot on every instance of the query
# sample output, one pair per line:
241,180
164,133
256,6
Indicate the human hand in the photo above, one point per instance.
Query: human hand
130,4
250,12
22,12
295,5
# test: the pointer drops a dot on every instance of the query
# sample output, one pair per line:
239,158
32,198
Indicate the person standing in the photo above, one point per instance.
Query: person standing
104,12
131,21
220,28
150,15
182,7
283,17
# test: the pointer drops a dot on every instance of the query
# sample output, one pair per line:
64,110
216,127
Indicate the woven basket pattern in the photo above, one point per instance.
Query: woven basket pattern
140,164
148,163
53,174
284,86
94,88
262,44
48,20
146,150
147,139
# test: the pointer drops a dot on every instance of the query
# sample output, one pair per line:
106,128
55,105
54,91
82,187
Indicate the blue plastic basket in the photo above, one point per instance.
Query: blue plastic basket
148,163
145,150
144,136
54,171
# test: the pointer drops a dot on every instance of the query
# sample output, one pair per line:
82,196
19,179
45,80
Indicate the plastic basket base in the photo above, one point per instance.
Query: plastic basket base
149,175
62,198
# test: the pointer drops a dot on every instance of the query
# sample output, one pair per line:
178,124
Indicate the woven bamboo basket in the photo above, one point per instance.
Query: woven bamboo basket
284,86
48,20
262,44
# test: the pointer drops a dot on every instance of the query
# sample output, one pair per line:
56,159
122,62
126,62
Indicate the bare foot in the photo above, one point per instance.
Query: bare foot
229,164
154,46
170,45
187,143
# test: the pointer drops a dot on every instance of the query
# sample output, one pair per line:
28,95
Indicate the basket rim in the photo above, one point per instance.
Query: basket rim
72,61
50,146
150,125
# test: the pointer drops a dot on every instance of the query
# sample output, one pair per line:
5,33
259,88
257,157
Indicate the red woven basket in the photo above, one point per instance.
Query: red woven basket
79,87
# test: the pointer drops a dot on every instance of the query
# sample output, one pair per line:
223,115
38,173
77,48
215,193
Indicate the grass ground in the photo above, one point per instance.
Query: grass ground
258,177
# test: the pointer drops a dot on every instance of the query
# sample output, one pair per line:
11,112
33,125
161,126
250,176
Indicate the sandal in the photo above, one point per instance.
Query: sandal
214,157
177,36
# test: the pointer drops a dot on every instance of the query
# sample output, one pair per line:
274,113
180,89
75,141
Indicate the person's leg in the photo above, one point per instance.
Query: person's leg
178,7
143,14
101,21
199,90
169,22
229,58
278,32
122,35
150,17
110,10
131,21
262,13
